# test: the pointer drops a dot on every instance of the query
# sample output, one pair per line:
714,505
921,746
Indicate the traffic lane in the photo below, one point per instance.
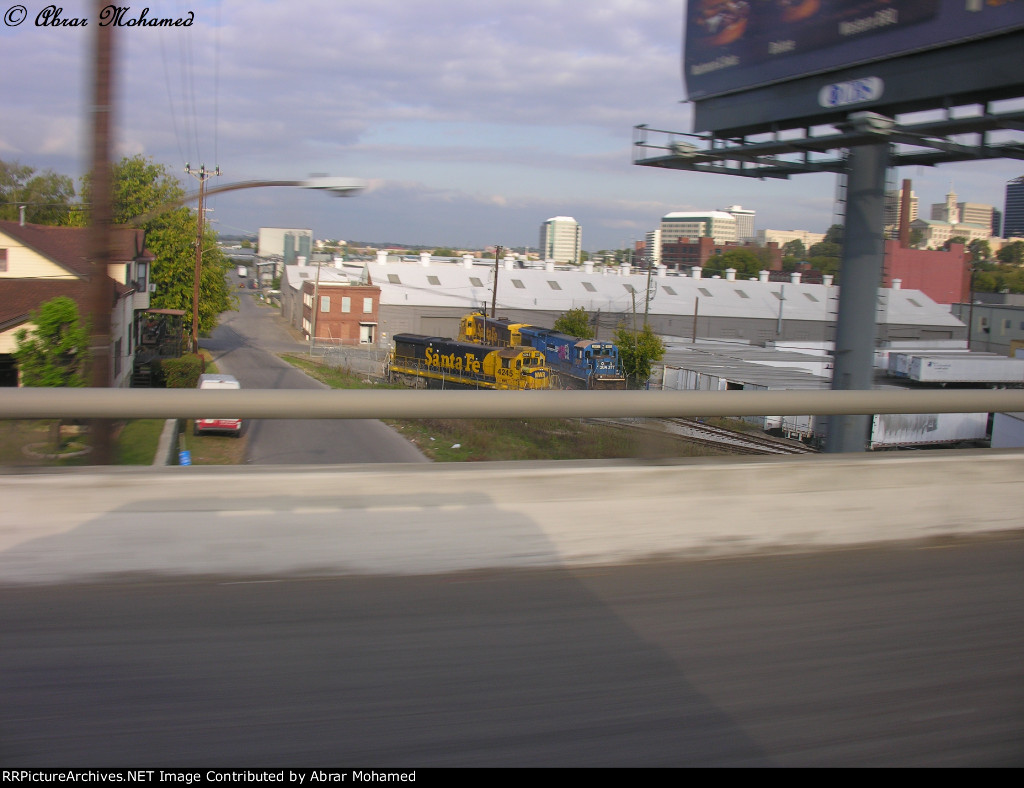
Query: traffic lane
900,656
237,346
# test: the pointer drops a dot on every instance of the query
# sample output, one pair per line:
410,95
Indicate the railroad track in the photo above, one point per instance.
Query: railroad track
731,441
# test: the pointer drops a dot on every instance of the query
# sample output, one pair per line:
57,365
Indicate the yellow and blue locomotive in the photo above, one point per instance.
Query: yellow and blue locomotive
577,363
437,362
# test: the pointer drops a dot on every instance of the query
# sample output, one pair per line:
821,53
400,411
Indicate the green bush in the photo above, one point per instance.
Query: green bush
184,372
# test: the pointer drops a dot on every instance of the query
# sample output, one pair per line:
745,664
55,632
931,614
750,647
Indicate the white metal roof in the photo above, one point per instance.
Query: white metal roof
450,285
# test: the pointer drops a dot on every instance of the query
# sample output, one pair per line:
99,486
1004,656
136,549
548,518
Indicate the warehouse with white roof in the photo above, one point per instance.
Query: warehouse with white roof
430,297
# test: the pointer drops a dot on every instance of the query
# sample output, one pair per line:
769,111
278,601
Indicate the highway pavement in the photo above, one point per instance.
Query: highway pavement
903,655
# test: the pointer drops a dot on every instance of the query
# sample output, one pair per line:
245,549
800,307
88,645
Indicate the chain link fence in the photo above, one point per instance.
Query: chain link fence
367,360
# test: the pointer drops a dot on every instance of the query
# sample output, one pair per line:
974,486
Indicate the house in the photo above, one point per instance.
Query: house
39,263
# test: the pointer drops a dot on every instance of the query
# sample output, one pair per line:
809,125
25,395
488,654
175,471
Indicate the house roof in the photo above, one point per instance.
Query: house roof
19,297
69,246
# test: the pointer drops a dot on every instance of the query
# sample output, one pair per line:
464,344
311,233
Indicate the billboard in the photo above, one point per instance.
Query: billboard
735,45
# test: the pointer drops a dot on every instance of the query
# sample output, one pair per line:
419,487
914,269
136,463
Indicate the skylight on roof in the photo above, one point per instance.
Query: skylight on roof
518,283
434,281
476,281
554,285
669,290
393,278
589,287
706,292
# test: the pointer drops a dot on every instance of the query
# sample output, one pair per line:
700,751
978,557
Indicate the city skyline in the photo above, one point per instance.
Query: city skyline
473,124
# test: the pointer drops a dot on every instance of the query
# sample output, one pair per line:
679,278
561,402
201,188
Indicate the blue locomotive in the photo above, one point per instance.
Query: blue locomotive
579,363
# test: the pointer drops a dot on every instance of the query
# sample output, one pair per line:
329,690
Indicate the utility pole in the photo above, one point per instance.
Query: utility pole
100,231
494,296
203,175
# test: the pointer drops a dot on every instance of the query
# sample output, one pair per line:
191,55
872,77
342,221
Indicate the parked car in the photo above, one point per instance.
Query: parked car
218,381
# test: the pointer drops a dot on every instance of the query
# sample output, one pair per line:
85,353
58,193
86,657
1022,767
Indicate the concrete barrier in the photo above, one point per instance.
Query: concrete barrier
90,524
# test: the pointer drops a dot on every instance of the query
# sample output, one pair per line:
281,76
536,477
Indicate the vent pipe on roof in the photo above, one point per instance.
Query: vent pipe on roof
896,284
826,280
425,259
510,263
762,276
382,257
549,265
624,269
588,267
795,277
467,261
21,215
661,271
696,272
730,274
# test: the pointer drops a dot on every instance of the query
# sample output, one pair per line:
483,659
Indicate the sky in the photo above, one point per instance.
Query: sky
472,122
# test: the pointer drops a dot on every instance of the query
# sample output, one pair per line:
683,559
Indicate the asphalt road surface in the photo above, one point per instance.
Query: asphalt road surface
244,345
910,655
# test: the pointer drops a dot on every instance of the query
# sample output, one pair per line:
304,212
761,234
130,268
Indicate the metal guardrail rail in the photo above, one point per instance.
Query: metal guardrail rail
37,403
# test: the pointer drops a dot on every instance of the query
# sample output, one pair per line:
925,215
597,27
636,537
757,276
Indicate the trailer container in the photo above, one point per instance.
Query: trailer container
972,369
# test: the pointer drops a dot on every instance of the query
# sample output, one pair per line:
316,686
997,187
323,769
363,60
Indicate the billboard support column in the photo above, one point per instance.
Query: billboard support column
860,276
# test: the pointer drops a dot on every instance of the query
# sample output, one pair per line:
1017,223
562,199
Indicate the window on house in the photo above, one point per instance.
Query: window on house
554,285
367,306
325,303
393,278
475,281
346,304
589,287
434,281
518,284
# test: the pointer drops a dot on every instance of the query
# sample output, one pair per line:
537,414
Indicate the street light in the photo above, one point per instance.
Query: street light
338,186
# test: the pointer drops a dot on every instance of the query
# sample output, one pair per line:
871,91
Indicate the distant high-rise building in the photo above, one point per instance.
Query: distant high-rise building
1013,210
698,224
652,246
560,240
744,222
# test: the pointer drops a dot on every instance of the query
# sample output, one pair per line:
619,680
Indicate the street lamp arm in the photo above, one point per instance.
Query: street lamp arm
339,186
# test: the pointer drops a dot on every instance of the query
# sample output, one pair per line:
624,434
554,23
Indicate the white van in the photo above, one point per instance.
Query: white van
218,381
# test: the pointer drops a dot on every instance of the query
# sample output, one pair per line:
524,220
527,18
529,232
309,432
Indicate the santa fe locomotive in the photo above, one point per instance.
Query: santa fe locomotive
436,362
578,363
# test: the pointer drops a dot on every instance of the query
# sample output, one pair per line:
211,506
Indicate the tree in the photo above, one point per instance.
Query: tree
1012,253
834,234
638,352
56,352
794,248
575,323
139,186
980,250
746,262
47,197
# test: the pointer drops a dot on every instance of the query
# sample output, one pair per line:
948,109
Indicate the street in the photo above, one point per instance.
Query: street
244,345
